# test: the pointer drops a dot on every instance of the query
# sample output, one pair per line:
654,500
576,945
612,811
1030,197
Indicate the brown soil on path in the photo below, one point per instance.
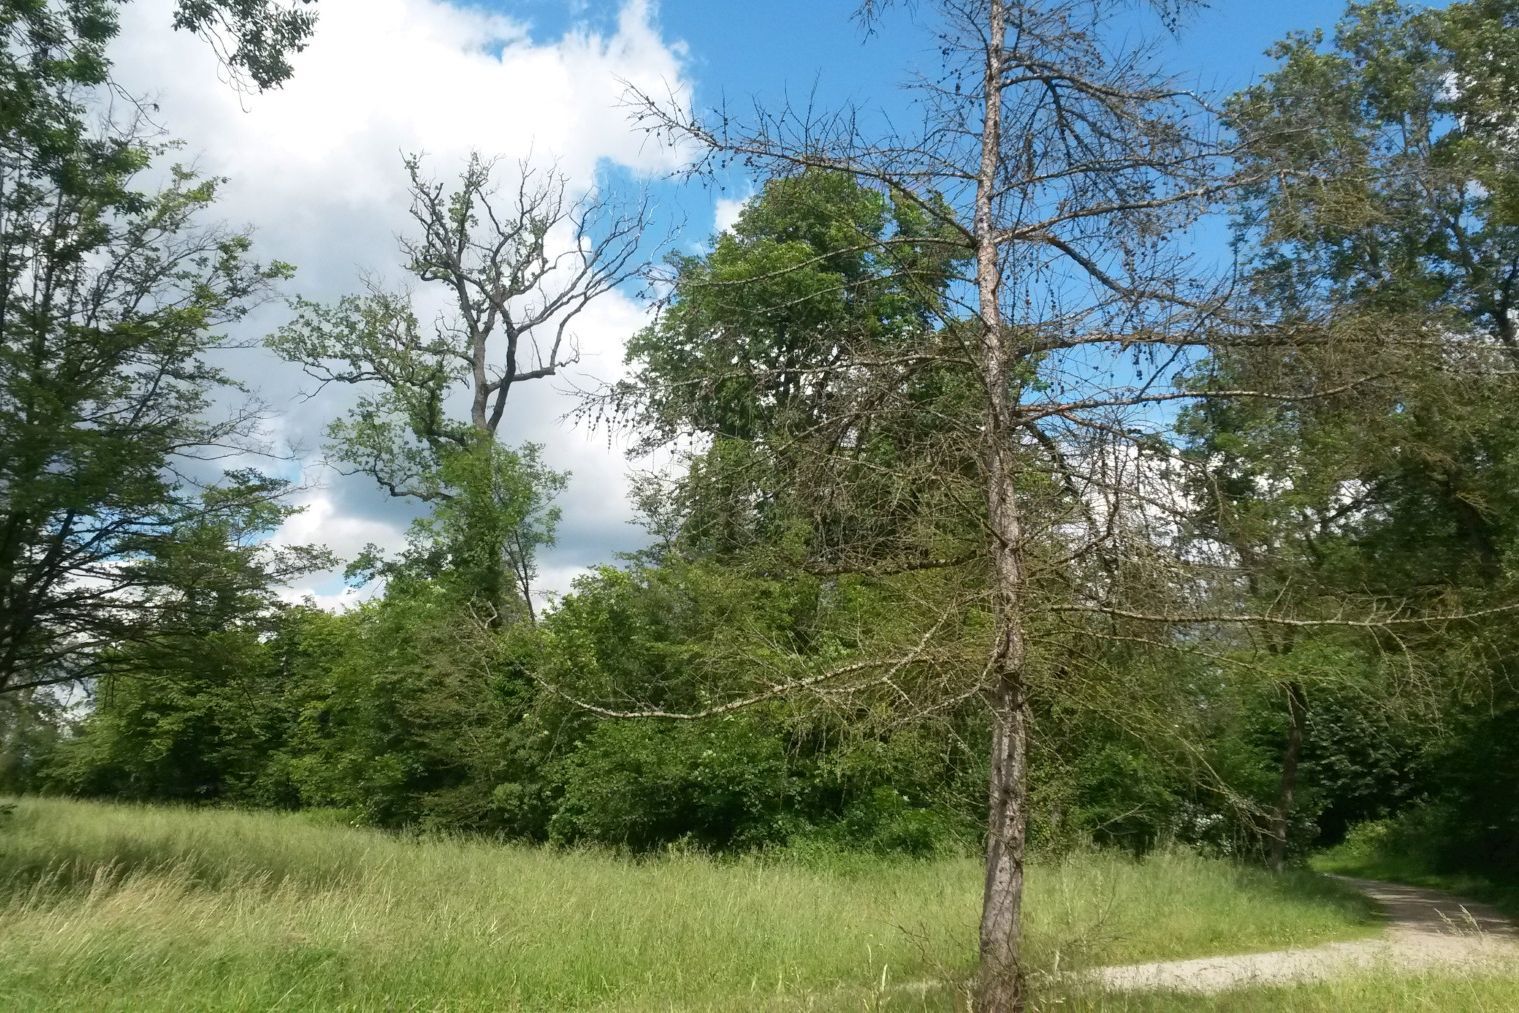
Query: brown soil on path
1425,928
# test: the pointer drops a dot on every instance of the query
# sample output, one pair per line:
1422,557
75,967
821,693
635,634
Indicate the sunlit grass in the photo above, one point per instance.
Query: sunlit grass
127,907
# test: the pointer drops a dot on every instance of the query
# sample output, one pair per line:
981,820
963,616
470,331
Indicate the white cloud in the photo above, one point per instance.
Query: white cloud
332,601
315,168
726,210
321,523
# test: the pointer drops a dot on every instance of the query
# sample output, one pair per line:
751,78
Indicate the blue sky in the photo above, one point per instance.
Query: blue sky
742,52
747,48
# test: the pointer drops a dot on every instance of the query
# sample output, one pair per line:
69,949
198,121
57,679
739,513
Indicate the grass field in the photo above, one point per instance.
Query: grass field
121,907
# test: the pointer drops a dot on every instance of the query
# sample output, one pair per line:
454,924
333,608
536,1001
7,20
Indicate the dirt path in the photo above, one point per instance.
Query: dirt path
1425,928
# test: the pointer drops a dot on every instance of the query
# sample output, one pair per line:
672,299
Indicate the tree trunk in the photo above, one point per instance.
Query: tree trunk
999,987
1000,981
1297,710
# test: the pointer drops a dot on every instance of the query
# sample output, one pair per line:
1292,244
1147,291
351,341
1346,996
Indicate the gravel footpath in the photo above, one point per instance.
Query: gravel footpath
1425,928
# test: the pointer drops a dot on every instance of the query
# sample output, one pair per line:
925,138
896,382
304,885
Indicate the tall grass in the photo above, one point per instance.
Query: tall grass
128,907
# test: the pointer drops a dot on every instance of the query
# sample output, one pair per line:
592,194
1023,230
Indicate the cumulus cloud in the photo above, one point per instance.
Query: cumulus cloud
316,169
725,211
322,521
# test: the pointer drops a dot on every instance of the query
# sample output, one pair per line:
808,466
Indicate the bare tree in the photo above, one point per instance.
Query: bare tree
519,268
1065,171
518,273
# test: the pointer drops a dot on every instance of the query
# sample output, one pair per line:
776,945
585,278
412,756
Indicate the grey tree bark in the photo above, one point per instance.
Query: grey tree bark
1000,983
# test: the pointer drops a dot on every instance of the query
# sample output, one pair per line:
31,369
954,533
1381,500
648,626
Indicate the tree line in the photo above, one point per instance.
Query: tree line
1004,518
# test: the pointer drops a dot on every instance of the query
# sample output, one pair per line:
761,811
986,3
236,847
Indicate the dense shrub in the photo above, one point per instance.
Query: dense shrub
720,784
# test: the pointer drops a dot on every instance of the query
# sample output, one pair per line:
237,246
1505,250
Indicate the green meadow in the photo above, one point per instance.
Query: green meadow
149,908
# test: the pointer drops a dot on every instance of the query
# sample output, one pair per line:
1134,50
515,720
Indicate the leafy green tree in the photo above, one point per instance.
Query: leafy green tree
254,38
802,277
197,711
31,727
684,633
53,40
757,362
1379,191
1382,176
112,415
638,786
494,511
1382,188
400,725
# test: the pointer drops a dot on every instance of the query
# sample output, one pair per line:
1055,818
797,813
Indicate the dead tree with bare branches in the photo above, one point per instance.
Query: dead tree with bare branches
1061,171
519,266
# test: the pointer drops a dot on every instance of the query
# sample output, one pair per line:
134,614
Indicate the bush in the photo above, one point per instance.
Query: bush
888,822
641,785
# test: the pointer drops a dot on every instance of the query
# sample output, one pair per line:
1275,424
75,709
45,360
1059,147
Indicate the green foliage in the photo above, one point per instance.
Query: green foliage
1377,216
1463,821
180,726
493,513
680,636
1387,214
1393,196
205,717
826,296
718,784
887,822
398,429
398,725
113,298
814,263
30,729
253,37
